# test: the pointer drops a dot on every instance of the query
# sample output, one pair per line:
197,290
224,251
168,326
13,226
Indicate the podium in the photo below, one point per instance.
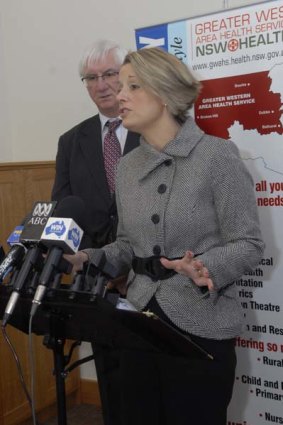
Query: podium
93,319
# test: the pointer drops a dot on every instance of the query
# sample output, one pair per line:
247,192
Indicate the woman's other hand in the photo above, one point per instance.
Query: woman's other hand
191,267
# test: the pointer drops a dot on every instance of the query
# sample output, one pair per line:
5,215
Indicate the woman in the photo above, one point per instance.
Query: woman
188,227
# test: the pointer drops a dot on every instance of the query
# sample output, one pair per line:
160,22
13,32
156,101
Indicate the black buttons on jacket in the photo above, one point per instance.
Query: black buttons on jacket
155,218
162,188
156,250
168,162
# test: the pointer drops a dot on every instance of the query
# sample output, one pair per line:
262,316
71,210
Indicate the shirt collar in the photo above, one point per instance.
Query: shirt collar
104,119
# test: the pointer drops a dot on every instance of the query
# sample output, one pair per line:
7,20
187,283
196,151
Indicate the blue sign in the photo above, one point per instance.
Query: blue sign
152,37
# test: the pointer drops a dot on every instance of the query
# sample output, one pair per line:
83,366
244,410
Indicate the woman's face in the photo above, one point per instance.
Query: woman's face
139,109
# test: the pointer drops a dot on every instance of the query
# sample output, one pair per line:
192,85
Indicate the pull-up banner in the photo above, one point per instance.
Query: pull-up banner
238,56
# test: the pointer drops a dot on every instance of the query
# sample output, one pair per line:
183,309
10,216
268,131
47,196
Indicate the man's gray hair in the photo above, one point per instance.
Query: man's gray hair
98,51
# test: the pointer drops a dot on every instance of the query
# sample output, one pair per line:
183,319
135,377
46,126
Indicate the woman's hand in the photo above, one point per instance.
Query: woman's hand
191,267
77,260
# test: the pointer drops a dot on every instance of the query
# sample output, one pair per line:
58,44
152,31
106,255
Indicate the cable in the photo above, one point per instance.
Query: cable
19,367
32,374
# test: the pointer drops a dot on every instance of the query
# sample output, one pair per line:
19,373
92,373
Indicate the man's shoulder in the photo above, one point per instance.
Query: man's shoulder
89,124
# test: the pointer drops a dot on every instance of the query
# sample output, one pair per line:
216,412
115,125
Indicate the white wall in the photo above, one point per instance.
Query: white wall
41,42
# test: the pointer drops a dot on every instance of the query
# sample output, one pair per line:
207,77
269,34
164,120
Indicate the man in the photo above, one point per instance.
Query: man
82,170
80,162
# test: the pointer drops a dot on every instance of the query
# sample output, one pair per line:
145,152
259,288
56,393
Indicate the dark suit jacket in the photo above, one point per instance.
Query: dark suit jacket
80,172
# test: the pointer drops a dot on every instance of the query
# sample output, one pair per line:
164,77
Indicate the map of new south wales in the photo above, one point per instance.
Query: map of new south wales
247,99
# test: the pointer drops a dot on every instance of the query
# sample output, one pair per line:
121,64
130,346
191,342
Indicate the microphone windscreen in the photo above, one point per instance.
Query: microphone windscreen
71,207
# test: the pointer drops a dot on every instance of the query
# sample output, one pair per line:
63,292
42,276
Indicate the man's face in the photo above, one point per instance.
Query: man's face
103,91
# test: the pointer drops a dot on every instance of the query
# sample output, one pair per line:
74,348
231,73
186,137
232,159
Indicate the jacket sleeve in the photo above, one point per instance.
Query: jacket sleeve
234,199
62,187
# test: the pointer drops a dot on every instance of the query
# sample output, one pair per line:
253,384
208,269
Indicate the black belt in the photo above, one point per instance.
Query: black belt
151,267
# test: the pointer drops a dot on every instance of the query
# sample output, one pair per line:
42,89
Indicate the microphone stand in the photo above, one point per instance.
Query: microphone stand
56,343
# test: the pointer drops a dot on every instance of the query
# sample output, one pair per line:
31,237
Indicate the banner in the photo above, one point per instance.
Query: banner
238,56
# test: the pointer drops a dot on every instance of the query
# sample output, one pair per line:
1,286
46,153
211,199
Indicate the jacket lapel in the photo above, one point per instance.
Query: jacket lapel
132,141
91,147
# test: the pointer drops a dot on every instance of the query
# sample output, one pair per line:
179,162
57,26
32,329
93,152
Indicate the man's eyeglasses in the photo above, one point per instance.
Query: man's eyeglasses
92,79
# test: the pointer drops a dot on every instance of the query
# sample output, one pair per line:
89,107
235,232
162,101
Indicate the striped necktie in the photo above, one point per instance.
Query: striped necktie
112,153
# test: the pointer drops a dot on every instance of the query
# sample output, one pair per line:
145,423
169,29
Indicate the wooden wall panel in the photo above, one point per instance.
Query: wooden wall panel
22,184
12,202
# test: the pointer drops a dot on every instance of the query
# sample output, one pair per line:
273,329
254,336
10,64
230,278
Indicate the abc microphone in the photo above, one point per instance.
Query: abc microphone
61,235
36,221
27,236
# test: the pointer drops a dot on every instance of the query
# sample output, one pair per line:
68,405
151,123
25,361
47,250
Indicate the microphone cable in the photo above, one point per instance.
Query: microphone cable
32,372
18,364
29,396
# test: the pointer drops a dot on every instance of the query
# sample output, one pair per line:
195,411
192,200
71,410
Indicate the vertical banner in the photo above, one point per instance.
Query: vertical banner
238,56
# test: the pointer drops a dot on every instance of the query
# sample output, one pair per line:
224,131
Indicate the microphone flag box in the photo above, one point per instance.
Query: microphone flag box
36,221
14,237
62,232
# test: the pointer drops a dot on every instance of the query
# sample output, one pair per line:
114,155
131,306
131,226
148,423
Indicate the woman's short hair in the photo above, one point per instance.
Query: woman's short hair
98,51
167,77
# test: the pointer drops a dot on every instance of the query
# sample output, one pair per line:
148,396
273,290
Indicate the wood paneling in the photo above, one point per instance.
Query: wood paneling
21,184
89,392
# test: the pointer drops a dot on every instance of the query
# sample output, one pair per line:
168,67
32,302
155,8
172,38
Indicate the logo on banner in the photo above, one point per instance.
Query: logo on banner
152,37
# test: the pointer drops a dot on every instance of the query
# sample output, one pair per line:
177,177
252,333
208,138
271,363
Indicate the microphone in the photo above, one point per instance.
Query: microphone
14,237
27,234
14,240
103,271
15,255
94,276
2,254
61,235
33,260
12,260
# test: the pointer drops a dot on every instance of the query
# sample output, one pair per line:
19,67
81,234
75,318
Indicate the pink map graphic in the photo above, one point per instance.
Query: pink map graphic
247,99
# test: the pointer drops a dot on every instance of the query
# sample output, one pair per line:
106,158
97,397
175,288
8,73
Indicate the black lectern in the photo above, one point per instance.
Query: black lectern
85,318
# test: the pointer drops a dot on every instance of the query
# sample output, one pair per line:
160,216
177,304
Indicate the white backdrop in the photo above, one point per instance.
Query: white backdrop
41,43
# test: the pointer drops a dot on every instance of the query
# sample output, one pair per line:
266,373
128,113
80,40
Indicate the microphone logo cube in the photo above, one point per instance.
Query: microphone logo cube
15,235
62,232
74,236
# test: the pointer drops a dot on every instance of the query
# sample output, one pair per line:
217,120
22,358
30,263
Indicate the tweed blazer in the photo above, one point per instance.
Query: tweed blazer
194,195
